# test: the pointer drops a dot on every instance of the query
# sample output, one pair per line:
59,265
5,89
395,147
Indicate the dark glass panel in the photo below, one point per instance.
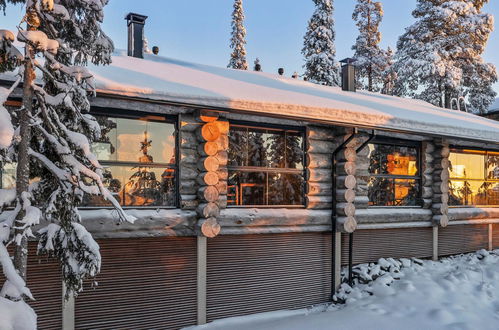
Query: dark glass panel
257,150
380,191
238,146
406,192
294,150
467,165
286,189
247,188
394,160
493,166
138,186
275,148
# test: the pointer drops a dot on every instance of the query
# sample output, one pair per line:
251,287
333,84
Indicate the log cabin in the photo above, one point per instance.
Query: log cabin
253,191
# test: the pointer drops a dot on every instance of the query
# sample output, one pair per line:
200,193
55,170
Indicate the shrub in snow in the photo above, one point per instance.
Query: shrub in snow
439,57
237,40
319,51
49,139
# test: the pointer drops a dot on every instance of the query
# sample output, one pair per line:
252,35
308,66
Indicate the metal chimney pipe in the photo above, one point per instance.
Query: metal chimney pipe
348,75
135,23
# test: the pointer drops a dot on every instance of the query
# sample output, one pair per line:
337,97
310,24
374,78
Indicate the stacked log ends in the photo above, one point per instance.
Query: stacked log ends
440,184
345,190
213,138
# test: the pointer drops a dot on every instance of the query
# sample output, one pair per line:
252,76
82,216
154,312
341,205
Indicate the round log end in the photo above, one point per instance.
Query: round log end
209,227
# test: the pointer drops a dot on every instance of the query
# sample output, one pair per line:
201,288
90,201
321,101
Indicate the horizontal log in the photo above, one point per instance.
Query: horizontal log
346,168
208,193
320,133
209,164
209,227
441,220
345,195
345,209
361,202
188,124
319,202
319,189
207,148
188,173
188,187
208,132
222,157
208,178
223,126
426,192
222,142
440,208
346,181
428,147
206,116
440,187
427,203
318,175
315,160
188,140
188,204
207,210
346,224
321,147
347,154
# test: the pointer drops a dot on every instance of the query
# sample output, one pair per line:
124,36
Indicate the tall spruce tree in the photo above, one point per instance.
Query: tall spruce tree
238,38
319,51
389,75
371,60
439,57
49,139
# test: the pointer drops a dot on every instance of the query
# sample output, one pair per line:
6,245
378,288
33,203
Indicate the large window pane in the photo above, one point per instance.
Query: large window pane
394,160
247,188
275,149
493,166
285,189
393,192
138,186
294,150
257,148
238,146
467,165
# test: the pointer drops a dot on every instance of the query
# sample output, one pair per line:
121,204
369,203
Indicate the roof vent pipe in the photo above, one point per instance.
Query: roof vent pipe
135,23
348,74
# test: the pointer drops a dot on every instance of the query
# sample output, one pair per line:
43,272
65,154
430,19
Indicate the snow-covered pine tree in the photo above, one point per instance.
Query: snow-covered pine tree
439,57
389,76
370,59
49,139
319,51
238,38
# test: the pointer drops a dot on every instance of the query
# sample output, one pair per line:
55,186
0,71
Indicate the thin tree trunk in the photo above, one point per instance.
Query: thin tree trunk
22,172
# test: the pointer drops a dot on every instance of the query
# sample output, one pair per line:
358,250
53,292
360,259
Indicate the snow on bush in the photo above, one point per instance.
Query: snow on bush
16,315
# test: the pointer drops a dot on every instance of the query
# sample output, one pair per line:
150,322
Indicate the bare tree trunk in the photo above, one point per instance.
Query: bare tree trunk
22,173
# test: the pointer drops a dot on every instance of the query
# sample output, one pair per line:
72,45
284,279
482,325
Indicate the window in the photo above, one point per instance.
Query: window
139,161
265,166
474,177
395,177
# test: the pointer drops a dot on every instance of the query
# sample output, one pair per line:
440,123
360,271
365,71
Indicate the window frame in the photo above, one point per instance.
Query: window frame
419,162
460,149
252,169
137,115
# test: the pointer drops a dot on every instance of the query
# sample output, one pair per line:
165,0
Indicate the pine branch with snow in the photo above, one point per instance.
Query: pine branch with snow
439,57
319,50
371,60
238,38
49,138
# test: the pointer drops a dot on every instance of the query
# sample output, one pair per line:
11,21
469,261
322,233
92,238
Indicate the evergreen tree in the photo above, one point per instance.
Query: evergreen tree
389,75
318,46
50,139
439,57
371,60
237,40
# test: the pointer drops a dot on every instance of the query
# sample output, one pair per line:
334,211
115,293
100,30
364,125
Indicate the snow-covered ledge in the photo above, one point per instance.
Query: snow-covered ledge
104,223
392,215
473,213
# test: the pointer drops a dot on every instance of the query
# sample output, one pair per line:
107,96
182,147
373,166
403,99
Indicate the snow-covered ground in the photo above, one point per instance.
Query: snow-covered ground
457,293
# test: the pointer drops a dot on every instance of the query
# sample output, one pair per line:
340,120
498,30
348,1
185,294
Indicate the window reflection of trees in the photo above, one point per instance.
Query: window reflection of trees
143,181
474,178
265,166
394,175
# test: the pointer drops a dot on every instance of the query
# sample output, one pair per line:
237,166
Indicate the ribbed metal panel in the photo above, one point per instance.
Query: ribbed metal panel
258,273
371,244
145,283
495,236
457,239
45,283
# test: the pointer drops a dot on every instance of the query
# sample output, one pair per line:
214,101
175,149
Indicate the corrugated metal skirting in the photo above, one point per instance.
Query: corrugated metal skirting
457,239
495,236
371,244
45,283
259,273
145,283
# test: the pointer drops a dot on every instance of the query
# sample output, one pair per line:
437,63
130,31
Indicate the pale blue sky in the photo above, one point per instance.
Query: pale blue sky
199,30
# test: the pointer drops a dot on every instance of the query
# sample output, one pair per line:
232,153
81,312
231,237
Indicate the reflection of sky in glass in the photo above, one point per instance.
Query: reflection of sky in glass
469,166
126,139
